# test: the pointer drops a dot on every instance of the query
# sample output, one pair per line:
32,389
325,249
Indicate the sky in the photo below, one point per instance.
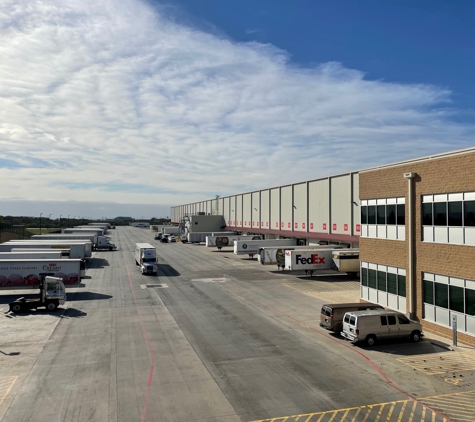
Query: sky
128,107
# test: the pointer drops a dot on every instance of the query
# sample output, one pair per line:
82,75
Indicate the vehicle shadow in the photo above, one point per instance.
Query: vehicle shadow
167,270
74,297
223,251
99,263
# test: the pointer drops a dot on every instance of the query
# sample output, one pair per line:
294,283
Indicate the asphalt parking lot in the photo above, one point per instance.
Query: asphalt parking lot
214,337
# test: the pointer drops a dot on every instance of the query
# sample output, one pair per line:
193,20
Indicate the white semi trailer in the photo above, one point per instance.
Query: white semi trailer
80,249
309,260
275,255
251,247
44,254
98,242
221,241
347,260
24,274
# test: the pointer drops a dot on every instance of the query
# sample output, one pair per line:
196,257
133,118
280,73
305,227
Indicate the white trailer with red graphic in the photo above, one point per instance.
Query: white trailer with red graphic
309,260
275,255
27,274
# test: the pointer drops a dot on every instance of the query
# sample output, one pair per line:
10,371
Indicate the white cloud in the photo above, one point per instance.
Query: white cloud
98,92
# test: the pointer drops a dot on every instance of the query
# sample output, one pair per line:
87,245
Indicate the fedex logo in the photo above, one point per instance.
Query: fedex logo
314,259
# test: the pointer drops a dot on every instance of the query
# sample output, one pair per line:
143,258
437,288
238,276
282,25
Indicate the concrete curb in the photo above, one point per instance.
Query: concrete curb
443,346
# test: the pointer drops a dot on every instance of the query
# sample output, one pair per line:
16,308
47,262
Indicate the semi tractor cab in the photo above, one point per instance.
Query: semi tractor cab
52,294
146,258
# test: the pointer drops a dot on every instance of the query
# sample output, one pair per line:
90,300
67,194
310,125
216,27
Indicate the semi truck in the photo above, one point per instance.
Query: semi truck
52,294
221,241
251,247
275,255
79,249
309,260
24,274
146,258
98,242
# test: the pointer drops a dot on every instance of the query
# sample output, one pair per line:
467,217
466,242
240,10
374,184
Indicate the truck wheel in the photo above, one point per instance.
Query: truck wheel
110,249
415,336
51,306
16,307
370,340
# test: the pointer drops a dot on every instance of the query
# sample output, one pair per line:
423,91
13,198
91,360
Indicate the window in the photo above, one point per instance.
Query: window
392,283
470,302
364,214
427,214
347,318
401,285
372,279
364,277
352,320
456,299
441,295
391,214
392,319
401,214
428,292
371,214
382,281
402,319
455,213
383,320
381,210
440,213
469,213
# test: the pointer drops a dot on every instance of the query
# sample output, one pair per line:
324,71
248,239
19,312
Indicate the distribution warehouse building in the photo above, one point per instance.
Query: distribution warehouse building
414,223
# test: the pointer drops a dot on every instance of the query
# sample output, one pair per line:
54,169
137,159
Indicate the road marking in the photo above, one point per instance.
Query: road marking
211,280
441,408
441,363
6,384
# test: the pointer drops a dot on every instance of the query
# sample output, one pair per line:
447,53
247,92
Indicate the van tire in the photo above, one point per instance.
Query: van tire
415,336
370,340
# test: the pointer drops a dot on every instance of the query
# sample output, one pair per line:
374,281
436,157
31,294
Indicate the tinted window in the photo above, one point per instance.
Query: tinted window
392,283
401,214
469,213
441,295
381,281
383,320
427,214
352,320
456,299
440,213
390,214
371,214
428,292
401,285
347,318
364,277
391,319
470,302
364,214
381,210
455,213
372,279
402,319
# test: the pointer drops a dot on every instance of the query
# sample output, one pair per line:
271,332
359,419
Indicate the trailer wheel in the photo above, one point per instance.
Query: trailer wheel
16,307
51,306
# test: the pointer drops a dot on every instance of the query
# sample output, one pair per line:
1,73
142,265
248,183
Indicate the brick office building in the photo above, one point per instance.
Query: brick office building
417,244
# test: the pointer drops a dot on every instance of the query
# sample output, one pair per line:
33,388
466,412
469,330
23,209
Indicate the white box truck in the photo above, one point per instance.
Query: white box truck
79,249
251,247
146,258
24,274
309,260
275,255
221,241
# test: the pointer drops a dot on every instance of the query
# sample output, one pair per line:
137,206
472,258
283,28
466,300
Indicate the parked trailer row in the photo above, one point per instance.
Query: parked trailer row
98,242
221,241
251,247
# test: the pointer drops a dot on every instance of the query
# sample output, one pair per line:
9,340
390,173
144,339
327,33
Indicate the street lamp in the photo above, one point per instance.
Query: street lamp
68,219
40,221
60,226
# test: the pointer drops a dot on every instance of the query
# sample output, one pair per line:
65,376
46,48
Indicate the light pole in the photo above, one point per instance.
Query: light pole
68,219
60,226
40,221
49,222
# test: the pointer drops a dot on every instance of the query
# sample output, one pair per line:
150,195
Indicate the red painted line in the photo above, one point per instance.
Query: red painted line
149,345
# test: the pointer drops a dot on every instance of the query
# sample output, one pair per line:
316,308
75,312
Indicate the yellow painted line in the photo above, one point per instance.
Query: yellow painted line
7,382
401,413
440,363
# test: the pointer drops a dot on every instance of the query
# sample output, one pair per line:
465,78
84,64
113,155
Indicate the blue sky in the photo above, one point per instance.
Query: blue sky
161,103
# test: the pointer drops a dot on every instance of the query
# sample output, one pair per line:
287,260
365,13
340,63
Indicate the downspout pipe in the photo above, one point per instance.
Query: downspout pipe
410,245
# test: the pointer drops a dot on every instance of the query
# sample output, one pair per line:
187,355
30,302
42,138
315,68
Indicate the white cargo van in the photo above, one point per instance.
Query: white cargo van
372,325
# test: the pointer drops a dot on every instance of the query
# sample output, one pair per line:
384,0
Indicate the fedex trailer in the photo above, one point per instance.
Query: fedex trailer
251,247
221,241
309,260
275,255
26,274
